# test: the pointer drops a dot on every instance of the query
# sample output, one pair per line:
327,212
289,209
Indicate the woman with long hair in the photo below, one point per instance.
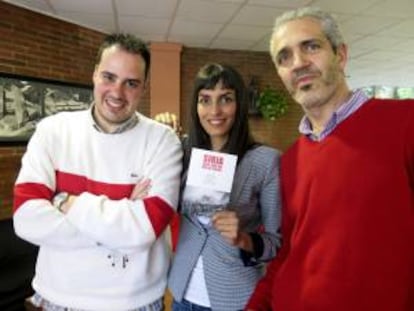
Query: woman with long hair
218,262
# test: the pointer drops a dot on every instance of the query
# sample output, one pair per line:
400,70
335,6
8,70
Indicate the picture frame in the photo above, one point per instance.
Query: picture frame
253,94
24,101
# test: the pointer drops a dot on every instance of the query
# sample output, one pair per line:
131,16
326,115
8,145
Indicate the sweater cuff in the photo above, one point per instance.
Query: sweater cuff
252,258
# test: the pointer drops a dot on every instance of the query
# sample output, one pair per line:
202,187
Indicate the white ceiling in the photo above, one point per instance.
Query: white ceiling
380,33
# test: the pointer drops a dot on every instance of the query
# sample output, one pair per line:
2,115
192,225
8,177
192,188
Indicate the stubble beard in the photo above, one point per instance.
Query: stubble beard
317,94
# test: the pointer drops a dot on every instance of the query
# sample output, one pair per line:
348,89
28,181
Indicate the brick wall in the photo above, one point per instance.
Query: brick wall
9,166
39,46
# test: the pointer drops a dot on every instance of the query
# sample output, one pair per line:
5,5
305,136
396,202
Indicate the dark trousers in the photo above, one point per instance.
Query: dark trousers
185,305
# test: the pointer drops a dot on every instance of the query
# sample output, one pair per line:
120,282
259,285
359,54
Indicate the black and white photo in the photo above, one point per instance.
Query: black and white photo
25,101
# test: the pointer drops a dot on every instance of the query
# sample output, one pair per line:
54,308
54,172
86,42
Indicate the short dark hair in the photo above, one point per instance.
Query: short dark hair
129,43
240,139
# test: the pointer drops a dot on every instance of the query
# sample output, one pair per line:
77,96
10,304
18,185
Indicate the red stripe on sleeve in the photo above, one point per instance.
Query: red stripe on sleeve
175,230
76,184
28,191
159,213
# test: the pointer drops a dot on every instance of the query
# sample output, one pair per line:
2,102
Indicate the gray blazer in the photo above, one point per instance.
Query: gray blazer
256,198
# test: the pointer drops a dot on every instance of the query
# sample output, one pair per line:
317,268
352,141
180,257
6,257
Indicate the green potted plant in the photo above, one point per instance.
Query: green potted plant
272,103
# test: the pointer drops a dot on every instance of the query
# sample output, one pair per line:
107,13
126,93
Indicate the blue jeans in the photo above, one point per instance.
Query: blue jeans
185,305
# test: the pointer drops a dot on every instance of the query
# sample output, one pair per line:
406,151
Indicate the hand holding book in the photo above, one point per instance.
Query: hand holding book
227,223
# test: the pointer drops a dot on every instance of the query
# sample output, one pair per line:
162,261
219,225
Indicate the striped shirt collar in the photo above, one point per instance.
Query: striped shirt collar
357,99
123,127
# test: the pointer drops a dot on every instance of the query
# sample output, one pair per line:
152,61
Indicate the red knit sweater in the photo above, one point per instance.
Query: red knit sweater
348,218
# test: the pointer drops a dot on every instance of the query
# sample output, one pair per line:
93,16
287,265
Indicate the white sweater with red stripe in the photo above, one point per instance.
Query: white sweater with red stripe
108,252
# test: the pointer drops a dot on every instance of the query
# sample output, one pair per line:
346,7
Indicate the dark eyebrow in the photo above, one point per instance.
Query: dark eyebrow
310,41
229,92
108,73
138,81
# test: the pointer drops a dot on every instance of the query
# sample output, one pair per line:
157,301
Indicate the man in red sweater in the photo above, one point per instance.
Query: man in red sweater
347,184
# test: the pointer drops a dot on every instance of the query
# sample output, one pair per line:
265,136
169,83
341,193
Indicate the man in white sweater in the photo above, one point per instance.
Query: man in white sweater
101,247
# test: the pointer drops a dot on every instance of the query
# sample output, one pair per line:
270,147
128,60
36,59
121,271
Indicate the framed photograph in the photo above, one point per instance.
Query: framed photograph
25,101
253,94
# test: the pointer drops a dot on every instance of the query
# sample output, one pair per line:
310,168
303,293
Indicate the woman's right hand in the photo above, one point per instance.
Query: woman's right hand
228,224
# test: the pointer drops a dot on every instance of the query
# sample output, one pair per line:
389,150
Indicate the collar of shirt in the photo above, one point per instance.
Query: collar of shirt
357,99
123,127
